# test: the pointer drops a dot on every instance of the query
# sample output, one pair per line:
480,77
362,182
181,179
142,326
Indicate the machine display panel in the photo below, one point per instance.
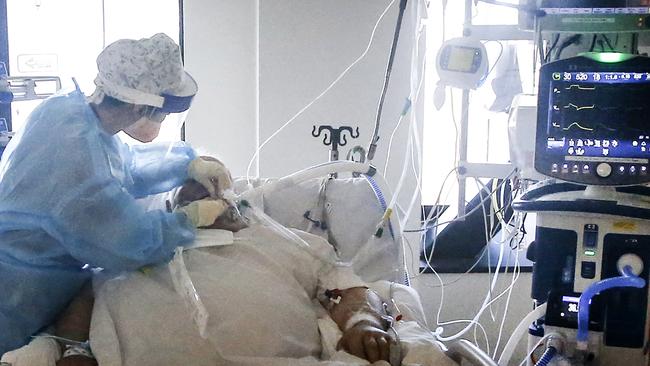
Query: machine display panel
599,114
594,125
461,59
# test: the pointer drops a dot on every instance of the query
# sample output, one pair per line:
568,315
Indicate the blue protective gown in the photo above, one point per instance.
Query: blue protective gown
67,203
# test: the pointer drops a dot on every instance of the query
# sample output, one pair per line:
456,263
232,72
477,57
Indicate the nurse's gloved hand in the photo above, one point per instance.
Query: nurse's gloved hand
204,212
212,174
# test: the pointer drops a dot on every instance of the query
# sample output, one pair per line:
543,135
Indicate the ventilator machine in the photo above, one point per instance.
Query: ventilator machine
592,243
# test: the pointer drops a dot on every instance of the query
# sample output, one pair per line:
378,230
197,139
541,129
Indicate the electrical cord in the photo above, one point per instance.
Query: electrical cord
593,43
547,57
461,217
574,39
609,44
489,303
486,303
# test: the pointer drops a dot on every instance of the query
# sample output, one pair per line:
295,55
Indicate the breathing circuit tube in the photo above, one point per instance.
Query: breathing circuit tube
380,199
628,279
395,234
313,172
375,135
547,356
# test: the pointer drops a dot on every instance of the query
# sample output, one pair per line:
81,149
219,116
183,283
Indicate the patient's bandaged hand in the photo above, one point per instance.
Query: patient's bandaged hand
41,351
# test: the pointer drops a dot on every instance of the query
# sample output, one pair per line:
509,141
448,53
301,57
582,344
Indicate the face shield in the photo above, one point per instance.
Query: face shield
155,126
148,72
171,127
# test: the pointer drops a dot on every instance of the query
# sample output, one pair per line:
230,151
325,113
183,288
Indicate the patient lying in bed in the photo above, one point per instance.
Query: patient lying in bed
270,301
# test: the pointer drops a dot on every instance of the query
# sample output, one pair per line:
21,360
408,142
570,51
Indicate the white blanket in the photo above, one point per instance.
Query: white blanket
260,295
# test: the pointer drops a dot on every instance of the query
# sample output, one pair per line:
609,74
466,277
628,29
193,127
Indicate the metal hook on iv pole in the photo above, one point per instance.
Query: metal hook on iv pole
335,137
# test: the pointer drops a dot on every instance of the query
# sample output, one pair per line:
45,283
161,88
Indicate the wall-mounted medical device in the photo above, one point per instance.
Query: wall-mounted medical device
592,123
589,16
462,63
22,88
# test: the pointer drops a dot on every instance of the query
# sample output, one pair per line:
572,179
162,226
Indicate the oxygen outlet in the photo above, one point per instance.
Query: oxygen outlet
631,260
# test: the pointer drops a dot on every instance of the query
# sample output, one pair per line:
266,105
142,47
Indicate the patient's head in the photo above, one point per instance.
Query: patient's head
231,220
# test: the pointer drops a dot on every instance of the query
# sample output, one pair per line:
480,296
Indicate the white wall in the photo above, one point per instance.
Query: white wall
299,48
221,54
304,46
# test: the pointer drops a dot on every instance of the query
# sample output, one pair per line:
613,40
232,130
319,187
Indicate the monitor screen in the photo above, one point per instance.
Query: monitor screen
461,59
599,114
593,123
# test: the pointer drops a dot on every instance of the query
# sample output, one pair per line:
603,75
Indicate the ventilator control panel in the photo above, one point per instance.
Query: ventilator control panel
594,120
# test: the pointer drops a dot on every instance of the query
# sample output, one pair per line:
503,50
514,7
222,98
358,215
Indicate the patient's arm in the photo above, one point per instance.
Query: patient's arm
361,315
74,324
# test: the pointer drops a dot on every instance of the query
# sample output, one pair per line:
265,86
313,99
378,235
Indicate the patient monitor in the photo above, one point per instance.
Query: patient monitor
593,212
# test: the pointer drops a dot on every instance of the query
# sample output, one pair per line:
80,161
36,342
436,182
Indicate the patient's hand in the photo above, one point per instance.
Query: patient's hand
366,341
77,361
361,315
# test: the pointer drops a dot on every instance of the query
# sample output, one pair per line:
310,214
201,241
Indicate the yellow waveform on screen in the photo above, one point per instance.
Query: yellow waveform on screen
580,87
577,125
578,108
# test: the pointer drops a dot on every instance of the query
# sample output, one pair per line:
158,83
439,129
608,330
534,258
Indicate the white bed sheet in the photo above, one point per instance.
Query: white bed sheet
259,293
352,213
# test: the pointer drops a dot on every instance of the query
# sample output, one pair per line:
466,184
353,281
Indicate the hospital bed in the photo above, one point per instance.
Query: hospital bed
350,214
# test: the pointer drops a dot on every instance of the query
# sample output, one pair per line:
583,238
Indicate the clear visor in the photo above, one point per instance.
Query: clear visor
172,124
170,128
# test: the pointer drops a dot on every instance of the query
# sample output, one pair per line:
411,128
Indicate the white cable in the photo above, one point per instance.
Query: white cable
519,332
415,135
475,324
417,191
488,238
478,260
487,340
505,312
363,55
428,257
470,212
508,290
487,302
399,122
400,182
